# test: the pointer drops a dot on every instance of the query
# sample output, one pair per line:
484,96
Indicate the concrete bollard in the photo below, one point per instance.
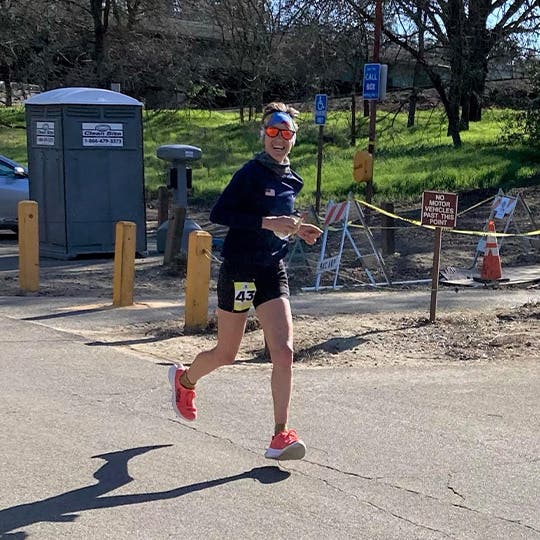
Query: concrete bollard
198,279
124,263
27,215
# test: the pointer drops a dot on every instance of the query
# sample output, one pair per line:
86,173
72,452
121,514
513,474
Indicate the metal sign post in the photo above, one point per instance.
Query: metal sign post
373,89
439,210
321,108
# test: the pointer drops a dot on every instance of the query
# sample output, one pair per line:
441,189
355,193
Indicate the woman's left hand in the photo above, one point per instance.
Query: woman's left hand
309,233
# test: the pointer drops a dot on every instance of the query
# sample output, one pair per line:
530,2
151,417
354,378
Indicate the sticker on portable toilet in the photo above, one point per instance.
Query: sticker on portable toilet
102,134
45,133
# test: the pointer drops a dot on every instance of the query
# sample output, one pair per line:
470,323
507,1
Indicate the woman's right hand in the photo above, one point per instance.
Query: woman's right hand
309,233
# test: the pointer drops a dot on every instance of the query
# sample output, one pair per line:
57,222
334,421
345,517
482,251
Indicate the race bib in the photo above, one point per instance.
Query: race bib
244,292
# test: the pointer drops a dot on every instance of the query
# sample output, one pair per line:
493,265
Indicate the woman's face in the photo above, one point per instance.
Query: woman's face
278,147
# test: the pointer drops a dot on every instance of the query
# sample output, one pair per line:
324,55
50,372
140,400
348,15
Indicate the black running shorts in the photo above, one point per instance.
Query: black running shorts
241,286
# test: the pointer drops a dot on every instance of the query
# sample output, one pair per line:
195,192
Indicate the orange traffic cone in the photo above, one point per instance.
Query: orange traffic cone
491,265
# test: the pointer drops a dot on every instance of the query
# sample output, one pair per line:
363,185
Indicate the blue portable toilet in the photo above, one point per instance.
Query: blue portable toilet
85,161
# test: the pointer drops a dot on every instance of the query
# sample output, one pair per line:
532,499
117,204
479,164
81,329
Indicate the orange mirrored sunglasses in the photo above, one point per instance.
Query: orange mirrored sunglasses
272,132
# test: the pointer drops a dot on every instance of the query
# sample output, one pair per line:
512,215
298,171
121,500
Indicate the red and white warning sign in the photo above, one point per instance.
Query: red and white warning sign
336,212
439,209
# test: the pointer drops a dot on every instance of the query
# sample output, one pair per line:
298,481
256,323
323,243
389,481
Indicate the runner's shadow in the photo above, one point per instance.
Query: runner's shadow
336,345
69,313
137,341
111,476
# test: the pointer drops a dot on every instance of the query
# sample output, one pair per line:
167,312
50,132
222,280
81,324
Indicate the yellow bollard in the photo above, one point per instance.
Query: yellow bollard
198,279
27,215
124,263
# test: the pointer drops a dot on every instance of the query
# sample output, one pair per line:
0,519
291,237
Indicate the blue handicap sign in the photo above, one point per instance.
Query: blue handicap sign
372,81
321,104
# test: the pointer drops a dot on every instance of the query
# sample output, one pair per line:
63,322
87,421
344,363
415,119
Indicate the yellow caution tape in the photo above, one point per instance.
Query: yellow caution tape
457,231
475,206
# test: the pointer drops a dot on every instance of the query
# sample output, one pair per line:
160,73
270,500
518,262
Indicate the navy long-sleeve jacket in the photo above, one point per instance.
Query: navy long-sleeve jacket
255,191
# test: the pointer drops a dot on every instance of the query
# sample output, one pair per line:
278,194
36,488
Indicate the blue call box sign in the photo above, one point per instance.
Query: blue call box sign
372,81
321,107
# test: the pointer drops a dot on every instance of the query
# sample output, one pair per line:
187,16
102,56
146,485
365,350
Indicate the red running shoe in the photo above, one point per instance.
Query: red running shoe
286,445
182,397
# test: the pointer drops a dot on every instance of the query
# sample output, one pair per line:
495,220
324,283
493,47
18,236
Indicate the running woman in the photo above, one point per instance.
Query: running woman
258,207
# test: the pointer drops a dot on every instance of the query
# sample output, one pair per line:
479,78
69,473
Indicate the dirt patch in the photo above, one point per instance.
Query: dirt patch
507,335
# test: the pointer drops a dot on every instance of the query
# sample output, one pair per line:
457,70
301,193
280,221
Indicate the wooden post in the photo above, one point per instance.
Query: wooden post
28,245
175,232
163,205
388,236
435,273
319,169
353,117
198,279
124,263
365,105
373,102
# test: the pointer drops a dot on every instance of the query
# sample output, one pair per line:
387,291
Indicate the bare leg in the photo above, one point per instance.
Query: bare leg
231,328
276,319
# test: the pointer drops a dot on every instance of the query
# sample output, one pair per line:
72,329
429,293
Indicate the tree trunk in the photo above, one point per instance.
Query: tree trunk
353,119
413,98
100,14
475,109
241,110
5,75
452,113
99,55
471,107
482,41
465,111
450,103
450,100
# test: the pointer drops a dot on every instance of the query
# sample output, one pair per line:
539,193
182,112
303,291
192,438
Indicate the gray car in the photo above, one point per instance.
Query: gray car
13,188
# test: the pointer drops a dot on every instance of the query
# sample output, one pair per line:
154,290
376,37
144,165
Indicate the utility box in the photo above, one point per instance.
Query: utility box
179,157
179,179
85,161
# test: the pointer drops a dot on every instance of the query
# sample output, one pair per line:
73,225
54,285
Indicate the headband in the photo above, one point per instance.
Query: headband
279,117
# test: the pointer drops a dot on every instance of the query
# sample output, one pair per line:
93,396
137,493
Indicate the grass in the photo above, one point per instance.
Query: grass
407,160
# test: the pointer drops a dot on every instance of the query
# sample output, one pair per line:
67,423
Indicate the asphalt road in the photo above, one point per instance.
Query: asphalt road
90,447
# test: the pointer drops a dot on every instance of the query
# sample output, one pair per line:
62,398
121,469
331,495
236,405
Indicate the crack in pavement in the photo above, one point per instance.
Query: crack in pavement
410,521
408,490
494,516
451,488
376,479
366,501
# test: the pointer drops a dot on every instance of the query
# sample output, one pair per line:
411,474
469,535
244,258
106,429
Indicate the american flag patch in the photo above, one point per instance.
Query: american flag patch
269,192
